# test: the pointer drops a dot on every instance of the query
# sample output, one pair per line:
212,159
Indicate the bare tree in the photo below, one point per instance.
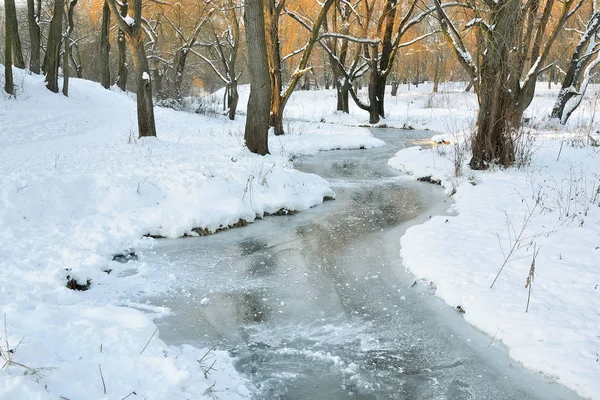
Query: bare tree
224,50
105,47
11,20
52,57
67,41
123,72
174,68
379,52
131,25
257,121
584,58
33,17
9,9
281,95
514,35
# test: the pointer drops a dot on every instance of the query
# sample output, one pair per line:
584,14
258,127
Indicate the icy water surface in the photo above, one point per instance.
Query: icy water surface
318,306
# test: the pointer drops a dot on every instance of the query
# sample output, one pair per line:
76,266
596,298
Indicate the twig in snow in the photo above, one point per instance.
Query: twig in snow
148,342
132,393
559,151
530,277
492,341
207,352
102,376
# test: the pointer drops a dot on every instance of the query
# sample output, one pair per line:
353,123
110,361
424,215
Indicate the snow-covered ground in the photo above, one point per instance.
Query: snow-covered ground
78,187
540,222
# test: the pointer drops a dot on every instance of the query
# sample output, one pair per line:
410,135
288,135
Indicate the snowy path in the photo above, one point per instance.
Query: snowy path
317,305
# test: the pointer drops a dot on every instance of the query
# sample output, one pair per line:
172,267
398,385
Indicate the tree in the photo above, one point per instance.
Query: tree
131,25
52,57
33,18
105,47
122,72
9,9
379,53
174,68
67,41
259,103
583,60
515,35
11,21
279,94
338,47
224,50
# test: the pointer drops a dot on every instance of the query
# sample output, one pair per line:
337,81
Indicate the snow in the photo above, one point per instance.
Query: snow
129,20
78,187
462,253
145,76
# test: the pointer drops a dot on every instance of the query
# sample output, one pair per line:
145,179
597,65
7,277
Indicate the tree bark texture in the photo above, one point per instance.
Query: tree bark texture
135,40
105,47
33,17
259,103
8,75
52,58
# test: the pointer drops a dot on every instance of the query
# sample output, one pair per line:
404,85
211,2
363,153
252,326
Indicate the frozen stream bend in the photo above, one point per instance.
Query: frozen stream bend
318,306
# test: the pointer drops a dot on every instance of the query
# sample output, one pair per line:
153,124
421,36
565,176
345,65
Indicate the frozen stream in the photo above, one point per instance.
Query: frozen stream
318,305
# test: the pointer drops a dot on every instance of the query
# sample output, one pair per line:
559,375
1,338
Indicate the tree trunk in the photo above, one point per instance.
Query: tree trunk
271,19
581,56
373,94
34,36
436,74
395,85
65,63
342,87
499,109
105,47
121,41
67,52
52,58
233,100
9,7
259,103
11,20
145,108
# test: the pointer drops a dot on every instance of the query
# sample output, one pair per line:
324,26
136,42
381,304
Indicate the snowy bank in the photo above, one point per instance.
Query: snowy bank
77,187
542,222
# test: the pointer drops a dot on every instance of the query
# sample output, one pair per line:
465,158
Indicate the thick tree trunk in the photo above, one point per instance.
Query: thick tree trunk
8,75
178,70
67,41
105,47
11,20
499,109
342,87
259,103
34,36
145,108
373,95
52,58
